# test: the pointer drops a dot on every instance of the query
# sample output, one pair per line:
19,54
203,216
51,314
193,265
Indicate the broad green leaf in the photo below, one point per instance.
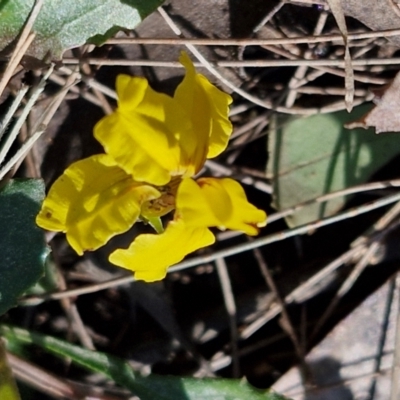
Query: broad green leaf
316,155
22,246
64,24
49,282
147,388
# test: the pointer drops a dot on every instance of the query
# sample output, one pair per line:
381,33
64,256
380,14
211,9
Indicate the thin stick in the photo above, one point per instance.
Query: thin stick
72,313
266,104
395,389
24,41
301,71
87,71
230,306
254,42
26,30
12,110
212,70
91,82
300,292
59,80
304,229
236,63
270,15
24,114
41,379
54,386
310,2
321,69
339,193
286,321
195,261
380,225
248,126
346,286
14,61
328,91
219,170
39,128
263,103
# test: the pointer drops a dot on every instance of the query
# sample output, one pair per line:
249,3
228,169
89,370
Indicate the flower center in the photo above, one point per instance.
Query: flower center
163,204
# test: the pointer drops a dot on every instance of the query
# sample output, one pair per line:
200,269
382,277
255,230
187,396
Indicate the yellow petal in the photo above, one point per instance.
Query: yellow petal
149,256
173,135
194,207
218,202
144,132
92,201
208,108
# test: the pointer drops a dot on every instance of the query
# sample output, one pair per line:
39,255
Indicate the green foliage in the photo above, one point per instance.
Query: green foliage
316,155
8,388
151,387
23,250
65,24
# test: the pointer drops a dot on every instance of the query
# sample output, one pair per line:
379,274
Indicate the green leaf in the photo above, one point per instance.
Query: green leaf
8,387
49,282
23,250
150,387
316,155
64,24
155,223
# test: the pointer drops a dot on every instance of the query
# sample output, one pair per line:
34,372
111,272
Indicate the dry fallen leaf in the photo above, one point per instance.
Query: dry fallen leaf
337,11
385,116
378,15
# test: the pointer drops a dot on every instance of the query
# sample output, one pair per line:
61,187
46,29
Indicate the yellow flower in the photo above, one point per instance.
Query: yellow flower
154,146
